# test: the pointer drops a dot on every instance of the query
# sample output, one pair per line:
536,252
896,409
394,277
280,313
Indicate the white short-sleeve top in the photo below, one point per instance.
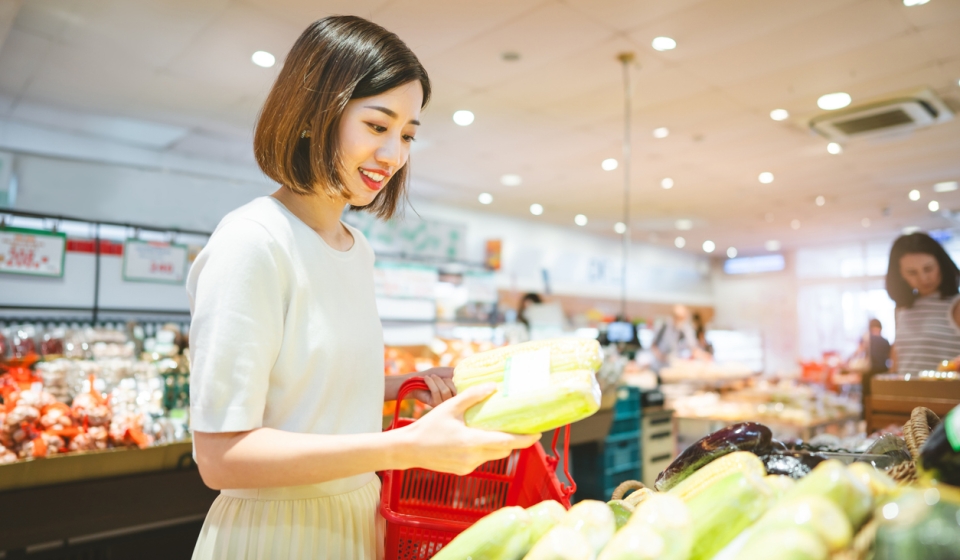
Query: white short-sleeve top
285,332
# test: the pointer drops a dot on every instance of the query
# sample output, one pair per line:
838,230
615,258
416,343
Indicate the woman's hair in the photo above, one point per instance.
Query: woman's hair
898,288
336,59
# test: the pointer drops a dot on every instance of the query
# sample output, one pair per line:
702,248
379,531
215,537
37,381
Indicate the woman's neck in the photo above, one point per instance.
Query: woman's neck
321,213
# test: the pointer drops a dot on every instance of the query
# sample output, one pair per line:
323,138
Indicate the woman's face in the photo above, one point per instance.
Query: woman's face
375,137
921,271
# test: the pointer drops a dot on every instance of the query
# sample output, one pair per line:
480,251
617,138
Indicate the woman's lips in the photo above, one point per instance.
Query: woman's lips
370,182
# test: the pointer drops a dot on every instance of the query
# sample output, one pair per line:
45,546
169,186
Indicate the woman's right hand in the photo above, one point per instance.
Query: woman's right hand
440,441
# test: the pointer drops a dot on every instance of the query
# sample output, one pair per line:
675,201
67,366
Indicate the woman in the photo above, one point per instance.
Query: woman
287,383
923,281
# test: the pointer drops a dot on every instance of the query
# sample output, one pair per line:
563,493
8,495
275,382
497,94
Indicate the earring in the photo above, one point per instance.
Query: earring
305,134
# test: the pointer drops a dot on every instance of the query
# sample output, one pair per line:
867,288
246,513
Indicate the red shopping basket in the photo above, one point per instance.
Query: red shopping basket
425,510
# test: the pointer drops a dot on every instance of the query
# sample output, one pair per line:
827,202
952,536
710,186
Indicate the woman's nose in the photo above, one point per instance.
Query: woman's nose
390,153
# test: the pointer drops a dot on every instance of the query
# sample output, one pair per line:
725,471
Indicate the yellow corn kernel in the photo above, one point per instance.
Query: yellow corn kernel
709,474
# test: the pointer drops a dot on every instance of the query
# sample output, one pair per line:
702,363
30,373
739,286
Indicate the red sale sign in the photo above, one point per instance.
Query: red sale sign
33,252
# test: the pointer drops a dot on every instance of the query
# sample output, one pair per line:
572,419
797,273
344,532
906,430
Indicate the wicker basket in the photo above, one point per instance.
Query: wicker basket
915,433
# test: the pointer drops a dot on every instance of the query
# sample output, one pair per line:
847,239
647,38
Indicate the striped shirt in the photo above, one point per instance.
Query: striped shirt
926,334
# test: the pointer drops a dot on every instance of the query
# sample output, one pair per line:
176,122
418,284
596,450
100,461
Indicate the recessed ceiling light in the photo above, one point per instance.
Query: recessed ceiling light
910,229
510,180
834,148
620,227
536,209
709,246
795,224
485,198
821,201
667,183
766,177
580,220
833,101
680,242
933,206
779,114
732,252
463,117
609,164
664,44
684,224
263,59
914,2
946,186
772,245
914,195
661,132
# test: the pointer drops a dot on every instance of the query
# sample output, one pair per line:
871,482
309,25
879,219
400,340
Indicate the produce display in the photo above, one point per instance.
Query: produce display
541,385
719,500
98,398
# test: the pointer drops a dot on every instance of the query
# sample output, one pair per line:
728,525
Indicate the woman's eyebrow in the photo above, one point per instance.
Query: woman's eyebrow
389,112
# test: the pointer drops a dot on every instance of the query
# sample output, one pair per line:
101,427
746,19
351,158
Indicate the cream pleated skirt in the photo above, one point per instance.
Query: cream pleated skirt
338,520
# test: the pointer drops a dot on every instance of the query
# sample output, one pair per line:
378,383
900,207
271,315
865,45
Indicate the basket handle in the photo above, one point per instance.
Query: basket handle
566,490
415,383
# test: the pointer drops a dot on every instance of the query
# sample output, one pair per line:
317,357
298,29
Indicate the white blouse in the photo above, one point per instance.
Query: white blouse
285,330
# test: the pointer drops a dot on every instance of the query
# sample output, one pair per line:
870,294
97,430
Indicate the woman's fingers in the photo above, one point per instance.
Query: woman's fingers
432,383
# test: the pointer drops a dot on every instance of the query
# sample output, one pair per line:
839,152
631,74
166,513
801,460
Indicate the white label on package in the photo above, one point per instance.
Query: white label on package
527,372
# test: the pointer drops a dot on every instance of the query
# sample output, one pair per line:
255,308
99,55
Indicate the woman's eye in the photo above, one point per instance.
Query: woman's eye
377,127
407,138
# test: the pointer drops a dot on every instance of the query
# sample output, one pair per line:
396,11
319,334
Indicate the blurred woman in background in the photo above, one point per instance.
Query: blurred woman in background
923,281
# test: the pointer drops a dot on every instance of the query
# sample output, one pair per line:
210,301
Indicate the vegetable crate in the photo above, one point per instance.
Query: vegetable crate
602,466
424,510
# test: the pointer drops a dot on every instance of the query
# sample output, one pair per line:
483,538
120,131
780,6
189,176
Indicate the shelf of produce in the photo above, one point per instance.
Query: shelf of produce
81,512
75,467
893,396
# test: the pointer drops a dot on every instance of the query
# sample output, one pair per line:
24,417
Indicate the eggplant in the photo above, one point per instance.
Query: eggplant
745,436
793,464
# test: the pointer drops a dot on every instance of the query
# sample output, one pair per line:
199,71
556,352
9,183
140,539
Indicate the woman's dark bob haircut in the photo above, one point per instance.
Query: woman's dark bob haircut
898,288
336,59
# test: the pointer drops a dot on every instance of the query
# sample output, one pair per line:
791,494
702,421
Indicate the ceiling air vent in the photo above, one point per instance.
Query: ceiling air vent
895,115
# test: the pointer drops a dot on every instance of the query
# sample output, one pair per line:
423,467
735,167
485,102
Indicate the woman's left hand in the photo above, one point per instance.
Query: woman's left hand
440,381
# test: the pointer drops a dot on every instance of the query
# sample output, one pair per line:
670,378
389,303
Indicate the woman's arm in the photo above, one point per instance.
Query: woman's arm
439,441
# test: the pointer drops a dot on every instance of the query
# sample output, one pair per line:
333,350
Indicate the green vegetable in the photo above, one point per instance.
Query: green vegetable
570,396
784,543
722,512
502,535
621,512
543,517
592,519
921,524
814,513
659,529
561,543
833,481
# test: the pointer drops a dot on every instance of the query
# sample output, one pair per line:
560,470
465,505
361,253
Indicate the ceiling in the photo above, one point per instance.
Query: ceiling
176,76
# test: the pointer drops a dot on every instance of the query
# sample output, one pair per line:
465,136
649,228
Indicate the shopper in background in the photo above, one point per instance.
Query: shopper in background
877,348
675,338
530,298
287,379
700,330
923,281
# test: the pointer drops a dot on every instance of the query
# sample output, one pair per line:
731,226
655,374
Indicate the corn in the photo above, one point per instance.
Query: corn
566,354
706,476
722,511
815,513
784,543
658,530
832,480
504,534
570,396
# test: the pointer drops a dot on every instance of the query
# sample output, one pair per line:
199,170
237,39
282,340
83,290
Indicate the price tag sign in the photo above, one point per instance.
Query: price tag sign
527,372
32,252
163,263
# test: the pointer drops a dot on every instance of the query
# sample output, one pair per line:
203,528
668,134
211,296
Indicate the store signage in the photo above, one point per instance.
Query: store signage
32,252
145,261
494,248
